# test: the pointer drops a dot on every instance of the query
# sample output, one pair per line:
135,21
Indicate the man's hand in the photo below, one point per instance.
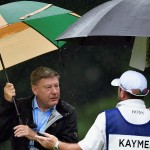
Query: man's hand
9,91
48,141
24,131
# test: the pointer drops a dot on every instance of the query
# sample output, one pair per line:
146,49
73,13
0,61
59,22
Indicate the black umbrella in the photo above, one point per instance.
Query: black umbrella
115,18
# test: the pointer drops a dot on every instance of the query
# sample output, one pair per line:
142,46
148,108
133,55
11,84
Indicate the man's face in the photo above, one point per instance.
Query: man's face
47,92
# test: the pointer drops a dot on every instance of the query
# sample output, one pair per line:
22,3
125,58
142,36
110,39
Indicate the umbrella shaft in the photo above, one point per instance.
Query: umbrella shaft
18,114
4,68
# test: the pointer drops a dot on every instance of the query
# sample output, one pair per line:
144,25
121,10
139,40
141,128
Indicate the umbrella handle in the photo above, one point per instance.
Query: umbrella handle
18,114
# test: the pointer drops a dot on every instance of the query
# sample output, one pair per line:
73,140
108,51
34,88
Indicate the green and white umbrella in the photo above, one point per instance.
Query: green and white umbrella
29,29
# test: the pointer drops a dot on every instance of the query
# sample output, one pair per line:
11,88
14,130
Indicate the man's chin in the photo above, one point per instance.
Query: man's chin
54,102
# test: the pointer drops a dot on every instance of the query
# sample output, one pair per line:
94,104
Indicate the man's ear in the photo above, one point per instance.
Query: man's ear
123,94
34,89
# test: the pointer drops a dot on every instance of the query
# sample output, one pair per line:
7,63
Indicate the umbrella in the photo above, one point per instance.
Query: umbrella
28,29
114,18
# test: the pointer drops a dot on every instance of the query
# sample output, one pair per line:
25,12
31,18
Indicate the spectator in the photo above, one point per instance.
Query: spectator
42,112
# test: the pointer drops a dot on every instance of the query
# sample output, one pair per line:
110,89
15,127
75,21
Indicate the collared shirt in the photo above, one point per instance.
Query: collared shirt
40,119
133,110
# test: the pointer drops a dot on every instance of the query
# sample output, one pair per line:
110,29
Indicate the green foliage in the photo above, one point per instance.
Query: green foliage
87,113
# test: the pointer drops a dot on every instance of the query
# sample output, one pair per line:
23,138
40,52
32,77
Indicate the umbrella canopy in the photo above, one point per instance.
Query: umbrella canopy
28,29
113,18
117,18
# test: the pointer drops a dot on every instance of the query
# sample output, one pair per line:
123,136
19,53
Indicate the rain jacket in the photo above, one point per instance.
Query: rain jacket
63,123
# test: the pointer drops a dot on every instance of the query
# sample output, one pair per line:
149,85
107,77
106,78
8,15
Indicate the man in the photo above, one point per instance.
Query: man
126,127
43,112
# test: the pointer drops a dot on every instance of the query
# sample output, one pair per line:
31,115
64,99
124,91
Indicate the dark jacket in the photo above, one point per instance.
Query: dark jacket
63,122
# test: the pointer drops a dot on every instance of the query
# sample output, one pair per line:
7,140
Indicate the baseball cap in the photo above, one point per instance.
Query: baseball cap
132,82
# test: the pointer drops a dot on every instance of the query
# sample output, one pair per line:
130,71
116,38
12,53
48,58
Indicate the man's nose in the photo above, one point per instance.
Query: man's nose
54,90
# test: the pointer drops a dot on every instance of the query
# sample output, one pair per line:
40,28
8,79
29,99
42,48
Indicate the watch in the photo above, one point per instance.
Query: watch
56,146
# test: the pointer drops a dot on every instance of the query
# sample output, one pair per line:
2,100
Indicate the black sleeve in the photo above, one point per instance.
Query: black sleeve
6,114
70,130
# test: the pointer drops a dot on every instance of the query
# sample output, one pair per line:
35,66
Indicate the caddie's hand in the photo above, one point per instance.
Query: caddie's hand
48,141
24,131
9,91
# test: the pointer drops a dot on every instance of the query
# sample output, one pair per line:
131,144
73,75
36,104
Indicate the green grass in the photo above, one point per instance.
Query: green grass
88,113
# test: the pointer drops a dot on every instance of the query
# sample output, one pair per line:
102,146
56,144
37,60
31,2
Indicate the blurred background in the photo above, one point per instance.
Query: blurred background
86,69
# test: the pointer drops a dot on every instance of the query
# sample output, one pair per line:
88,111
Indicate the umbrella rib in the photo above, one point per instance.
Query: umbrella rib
78,29
106,11
35,12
